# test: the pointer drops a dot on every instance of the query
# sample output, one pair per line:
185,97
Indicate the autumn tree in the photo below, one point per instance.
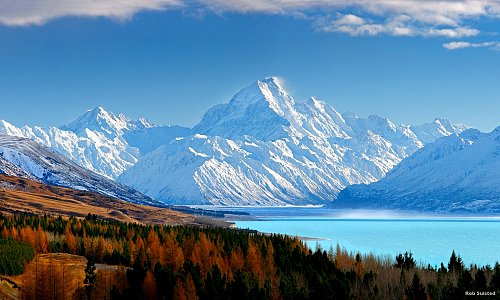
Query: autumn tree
154,250
100,249
190,288
236,261
172,254
43,241
28,235
70,239
179,290
149,286
252,261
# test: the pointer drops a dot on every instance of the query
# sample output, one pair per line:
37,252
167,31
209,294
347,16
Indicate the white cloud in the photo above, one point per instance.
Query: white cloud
443,12
350,20
438,18
463,45
28,12
267,6
456,45
397,26
452,32
433,18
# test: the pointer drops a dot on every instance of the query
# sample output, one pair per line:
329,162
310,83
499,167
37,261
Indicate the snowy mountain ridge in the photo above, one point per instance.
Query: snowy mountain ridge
260,148
100,120
96,140
457,173
264,148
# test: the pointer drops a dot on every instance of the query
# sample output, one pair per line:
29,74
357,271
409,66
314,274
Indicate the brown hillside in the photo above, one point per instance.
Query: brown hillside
24,195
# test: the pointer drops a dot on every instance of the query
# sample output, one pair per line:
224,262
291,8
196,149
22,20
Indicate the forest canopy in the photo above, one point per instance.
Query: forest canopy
183,262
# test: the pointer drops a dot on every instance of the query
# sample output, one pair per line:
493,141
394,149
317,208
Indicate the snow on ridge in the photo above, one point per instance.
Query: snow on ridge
291,152
264,141
99,140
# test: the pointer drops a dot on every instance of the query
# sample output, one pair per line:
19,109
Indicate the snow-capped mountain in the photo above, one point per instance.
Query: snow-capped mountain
261,148
458,173
26,158
100,141
264,148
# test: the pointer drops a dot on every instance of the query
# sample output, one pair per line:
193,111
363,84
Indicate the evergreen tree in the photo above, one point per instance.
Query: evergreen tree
480,280
90,277
455,265
416,291
405,261
495,278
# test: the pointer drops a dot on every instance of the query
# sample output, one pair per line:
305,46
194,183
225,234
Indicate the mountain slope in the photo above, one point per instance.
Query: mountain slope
26,158
458,173
24,195
264,148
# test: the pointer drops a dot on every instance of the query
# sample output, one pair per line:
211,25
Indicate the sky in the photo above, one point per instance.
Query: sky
171,60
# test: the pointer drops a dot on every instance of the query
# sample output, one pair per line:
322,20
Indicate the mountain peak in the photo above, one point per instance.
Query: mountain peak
98,109
97,112
9,129
98,119
269,89
457,173
459,127
273,80
261,110
102,120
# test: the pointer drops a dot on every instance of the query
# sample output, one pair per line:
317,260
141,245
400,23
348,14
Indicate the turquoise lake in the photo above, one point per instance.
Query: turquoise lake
431,239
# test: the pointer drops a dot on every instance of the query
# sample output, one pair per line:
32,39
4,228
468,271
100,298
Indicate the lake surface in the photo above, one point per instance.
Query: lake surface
431,239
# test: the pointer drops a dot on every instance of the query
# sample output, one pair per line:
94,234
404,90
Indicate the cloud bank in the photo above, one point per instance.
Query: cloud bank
428,18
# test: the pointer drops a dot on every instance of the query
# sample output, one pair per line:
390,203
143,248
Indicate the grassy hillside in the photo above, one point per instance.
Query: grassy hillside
24,195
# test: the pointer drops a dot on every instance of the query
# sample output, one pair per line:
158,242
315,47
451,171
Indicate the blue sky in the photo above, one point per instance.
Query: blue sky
170,61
